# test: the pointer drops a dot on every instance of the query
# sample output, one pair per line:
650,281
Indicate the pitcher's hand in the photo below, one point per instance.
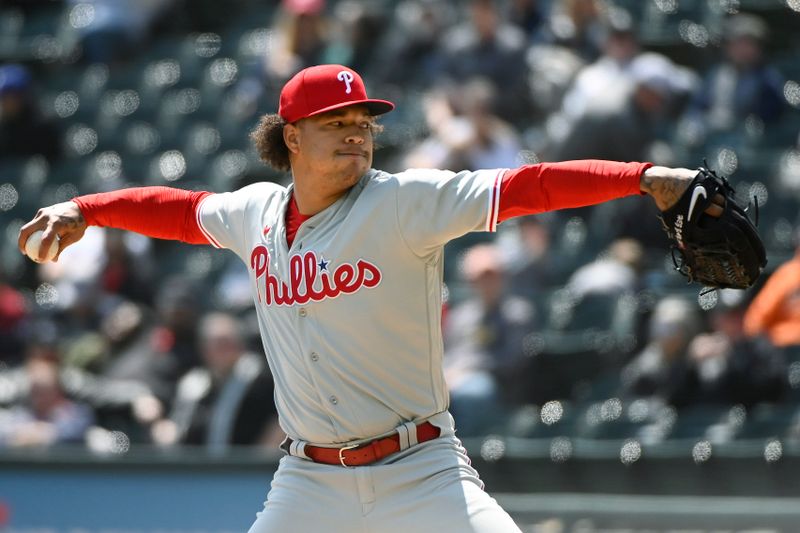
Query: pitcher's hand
64,220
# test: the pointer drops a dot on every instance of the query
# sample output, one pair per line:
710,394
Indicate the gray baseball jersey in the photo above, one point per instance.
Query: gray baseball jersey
350,318
350,315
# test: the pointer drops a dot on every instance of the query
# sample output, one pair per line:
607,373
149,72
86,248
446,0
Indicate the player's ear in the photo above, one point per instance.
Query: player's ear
291,136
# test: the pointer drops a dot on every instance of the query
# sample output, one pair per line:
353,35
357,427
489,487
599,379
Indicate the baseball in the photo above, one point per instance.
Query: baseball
33,244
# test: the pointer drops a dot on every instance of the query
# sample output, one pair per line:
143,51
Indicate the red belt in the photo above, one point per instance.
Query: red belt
369,452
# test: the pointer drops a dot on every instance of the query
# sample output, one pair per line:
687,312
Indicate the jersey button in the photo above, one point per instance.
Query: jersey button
334,400
302,312
314,356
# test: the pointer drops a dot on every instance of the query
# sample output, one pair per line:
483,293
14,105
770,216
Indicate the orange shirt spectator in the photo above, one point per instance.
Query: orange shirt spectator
775,311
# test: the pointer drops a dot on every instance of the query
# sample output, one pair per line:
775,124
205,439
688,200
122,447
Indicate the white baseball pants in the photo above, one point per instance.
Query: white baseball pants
429,488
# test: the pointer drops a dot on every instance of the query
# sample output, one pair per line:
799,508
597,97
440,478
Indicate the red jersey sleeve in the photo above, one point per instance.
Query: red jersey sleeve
159,212
532,189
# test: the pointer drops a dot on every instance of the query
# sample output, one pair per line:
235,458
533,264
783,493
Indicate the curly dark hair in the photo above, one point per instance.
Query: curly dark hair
268,138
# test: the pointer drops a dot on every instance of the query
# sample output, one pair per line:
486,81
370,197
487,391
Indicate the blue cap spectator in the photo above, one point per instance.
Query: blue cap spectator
14,79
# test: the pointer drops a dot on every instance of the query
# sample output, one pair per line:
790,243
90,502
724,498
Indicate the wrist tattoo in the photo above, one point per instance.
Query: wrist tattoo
665,190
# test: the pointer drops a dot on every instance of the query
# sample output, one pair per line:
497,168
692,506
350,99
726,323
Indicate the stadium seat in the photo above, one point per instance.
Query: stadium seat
11,22
766,421
694,422
37,37
598,423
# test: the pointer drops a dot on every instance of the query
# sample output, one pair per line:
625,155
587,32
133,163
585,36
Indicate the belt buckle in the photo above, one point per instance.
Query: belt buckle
344,449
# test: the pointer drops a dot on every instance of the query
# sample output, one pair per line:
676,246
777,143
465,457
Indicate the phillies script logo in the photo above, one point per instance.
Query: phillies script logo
310,279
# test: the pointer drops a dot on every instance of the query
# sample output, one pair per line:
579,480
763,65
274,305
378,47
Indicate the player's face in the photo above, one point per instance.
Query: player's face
334,147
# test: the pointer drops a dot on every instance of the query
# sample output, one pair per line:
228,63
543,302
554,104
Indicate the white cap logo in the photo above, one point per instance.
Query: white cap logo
347,77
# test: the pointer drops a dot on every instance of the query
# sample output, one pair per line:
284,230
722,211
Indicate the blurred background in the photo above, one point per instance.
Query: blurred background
593,387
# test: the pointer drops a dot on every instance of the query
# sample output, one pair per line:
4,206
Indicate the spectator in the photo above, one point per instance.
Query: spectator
15,380
624,125
741,86
24,131
300,39
615,271
166,349
483,339
128,270
488,48
724,367
411,50
775,311
494,143
121,404
527,15
49,417
120,324
533,264
92,279
360,29
658,368
597,81
447,132
720,366
465,132
229,400
114,28
577,25
13,313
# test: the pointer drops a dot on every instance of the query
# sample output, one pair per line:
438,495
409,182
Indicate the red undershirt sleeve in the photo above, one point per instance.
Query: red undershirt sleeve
532,189
159,212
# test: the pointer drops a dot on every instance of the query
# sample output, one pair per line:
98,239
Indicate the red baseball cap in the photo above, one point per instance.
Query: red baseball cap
322,88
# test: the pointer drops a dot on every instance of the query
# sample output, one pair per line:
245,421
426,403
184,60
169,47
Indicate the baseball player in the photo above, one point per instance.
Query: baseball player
346,273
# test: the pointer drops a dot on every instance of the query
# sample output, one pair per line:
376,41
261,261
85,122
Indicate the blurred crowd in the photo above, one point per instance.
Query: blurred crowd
128,341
